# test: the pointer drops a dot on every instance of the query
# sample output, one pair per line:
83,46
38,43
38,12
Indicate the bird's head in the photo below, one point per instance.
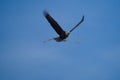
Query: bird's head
67,33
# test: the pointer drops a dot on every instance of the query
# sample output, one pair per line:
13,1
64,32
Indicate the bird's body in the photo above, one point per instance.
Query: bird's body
62,34
62,37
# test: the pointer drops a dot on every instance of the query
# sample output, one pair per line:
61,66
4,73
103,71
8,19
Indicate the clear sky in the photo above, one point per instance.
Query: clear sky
23,55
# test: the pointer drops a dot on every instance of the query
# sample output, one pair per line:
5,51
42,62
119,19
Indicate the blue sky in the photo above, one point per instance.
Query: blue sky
23,55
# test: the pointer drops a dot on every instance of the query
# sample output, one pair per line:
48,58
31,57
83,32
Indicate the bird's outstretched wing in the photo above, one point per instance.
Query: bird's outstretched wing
77,24
54,24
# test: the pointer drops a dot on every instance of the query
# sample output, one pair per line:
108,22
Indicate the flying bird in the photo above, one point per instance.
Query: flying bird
62,34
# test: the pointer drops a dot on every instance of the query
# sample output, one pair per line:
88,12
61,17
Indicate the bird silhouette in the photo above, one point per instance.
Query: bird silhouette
62,34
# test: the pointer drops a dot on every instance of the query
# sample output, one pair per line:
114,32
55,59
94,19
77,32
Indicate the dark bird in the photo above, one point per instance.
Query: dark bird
62,34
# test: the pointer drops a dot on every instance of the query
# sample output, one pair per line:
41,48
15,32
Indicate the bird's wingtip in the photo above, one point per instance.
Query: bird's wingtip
83,18
45,13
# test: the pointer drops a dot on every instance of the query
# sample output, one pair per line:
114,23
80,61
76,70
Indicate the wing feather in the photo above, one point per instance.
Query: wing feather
77,24
54,24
